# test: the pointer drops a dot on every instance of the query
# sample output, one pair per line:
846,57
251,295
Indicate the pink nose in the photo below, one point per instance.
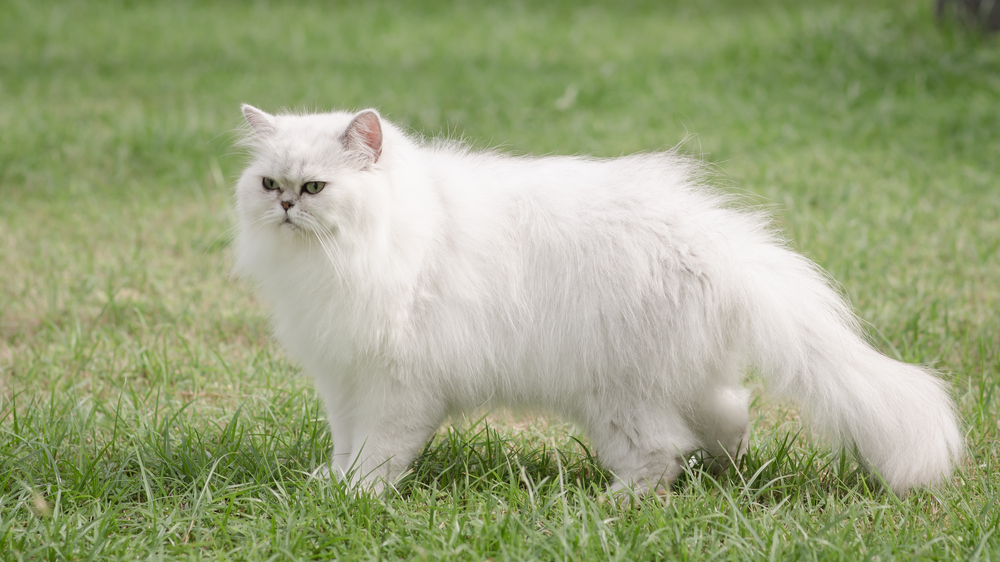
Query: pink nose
286,205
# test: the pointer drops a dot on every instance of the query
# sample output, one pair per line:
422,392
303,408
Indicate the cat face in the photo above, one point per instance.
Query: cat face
311,175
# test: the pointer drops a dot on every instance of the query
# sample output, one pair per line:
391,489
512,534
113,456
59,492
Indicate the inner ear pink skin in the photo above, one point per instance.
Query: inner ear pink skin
365,133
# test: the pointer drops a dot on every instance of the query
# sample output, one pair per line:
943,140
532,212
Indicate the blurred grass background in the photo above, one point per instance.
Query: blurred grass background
144,413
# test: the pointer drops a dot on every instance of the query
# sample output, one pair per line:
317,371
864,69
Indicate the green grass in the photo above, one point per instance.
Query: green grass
145,413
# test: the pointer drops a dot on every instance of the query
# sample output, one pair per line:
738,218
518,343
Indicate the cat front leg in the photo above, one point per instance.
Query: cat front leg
343,457
389,435
337,403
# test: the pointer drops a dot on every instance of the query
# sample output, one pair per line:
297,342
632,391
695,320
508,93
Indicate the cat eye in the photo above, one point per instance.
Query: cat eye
270,184
313,187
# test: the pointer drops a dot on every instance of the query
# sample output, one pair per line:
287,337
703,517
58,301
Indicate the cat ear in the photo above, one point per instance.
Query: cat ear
364,136
260,122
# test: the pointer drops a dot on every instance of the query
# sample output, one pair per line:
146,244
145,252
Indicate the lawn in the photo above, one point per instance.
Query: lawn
145,412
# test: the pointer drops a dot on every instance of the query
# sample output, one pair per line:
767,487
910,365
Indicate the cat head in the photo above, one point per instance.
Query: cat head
312,175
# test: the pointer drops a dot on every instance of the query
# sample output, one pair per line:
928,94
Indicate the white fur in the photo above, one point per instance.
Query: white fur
622,294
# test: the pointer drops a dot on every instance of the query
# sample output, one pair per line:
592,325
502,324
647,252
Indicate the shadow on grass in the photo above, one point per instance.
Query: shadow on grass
482,459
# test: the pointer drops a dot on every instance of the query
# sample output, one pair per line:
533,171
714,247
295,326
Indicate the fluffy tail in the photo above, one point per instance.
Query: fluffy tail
805,338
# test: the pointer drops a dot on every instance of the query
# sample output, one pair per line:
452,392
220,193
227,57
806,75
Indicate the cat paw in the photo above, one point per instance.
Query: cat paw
718,464
628,497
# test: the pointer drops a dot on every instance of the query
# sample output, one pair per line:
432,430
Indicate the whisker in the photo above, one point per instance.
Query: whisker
337,264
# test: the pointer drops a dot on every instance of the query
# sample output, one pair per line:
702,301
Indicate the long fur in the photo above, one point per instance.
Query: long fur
623,294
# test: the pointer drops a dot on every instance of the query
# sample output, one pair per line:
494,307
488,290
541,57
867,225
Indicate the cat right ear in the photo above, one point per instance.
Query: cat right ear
364,136
260,122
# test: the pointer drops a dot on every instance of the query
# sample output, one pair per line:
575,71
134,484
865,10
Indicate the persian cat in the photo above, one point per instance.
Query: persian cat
416,280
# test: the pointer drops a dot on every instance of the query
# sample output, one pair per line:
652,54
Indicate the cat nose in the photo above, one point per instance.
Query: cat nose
286,205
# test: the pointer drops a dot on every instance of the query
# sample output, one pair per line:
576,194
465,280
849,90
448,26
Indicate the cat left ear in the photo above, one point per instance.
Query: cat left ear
259,121
364,136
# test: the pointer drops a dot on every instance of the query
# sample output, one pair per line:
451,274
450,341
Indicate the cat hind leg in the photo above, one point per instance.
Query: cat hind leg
721,420
644,447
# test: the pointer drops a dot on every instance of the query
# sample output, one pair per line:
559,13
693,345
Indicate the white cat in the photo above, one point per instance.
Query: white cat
414,281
